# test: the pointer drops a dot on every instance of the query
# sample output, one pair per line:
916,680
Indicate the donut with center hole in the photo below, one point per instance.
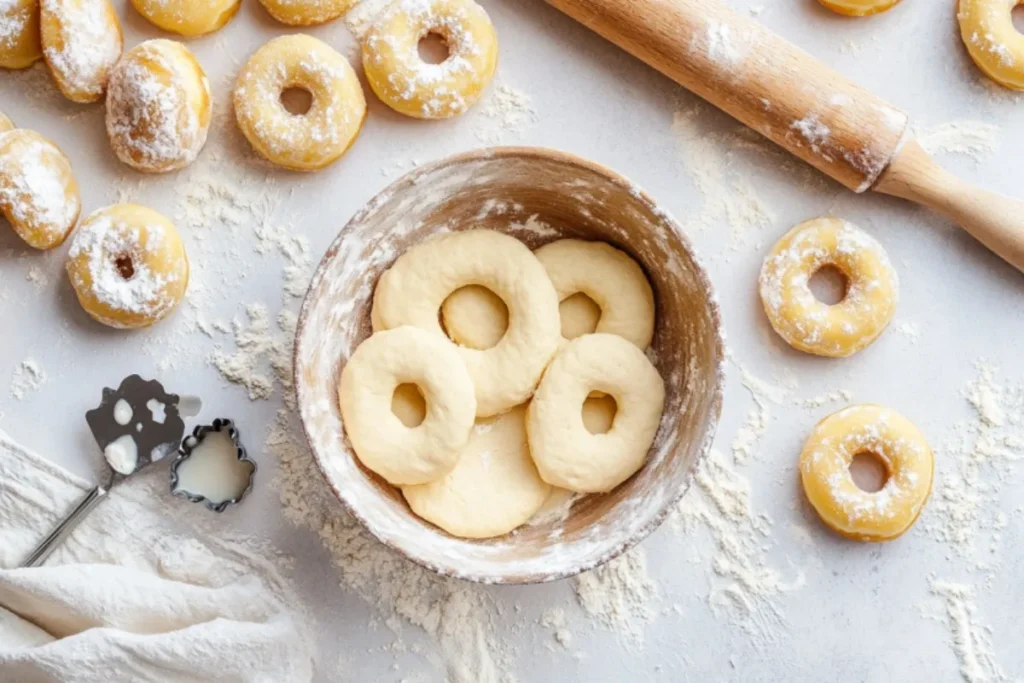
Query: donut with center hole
409,85
809,325
383,443
992,40
831,490
128,266
320,136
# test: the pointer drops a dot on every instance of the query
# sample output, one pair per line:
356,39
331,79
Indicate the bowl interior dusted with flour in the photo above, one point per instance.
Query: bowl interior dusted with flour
537,196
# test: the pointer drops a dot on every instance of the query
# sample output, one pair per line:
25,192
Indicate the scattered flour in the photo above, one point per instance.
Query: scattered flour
28,377
910,330
258,346
972,641
38,277
505,114
756,423
618,595
838,396
974,139
555,619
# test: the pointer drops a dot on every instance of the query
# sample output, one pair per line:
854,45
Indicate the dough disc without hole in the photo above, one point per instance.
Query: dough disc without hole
493,489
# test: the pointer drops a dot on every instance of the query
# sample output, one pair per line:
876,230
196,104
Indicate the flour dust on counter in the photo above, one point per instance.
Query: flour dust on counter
26,379
619,596
970,638
976,140
505,114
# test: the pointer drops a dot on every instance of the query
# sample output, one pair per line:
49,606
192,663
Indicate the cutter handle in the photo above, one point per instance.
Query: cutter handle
64,529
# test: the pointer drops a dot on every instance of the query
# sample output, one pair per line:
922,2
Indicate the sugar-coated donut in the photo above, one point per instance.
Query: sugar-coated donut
567,454
809,325
158,107
411,86
189,18
306,12
5,123
20,43
81,43
995,44
845,507
859,8
38,191
301,142
406,355
493,489
128,266
412,290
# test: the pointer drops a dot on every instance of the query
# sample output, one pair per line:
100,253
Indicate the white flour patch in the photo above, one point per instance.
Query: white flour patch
27,378
837,396
262,356
556,620
971,640
38,277
756,423
618,595
910,330
974,139
505,114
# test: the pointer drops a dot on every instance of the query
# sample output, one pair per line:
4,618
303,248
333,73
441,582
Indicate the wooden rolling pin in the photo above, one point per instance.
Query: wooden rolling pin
800,104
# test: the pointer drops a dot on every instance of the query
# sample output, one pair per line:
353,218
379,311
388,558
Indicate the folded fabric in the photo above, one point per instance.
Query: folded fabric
135,594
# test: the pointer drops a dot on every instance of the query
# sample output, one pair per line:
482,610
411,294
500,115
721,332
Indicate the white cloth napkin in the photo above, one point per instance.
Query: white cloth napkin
139,592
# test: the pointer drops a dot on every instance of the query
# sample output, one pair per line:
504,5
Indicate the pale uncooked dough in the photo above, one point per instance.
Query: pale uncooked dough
565,452
493,489
412,291
388,359
600,289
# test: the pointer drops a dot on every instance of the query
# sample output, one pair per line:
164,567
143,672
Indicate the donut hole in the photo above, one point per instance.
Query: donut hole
433,48
869,471
479,314
125,266
1017,15
579,315
409,405
828,284
297,100
599,413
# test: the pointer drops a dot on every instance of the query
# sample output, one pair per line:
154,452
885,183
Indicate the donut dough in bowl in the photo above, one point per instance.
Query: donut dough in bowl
570,198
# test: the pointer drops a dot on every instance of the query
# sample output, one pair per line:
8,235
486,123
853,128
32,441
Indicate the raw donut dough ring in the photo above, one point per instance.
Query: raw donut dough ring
566,453
992,40
306,12
82,41
859,8
158,107
845,507
304,142
810,325
38,192
20,42
189,18
406,355
412,290
410,86
128,266
493,489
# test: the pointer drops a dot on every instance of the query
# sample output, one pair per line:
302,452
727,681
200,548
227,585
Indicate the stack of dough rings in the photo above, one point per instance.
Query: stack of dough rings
478,436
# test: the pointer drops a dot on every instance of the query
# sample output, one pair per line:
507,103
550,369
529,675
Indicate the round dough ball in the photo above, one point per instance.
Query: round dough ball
189,18
158,107
81,43
493,489
128,266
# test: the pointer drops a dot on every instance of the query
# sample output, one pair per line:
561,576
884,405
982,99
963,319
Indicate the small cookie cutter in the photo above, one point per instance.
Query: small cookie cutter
189,444
154,438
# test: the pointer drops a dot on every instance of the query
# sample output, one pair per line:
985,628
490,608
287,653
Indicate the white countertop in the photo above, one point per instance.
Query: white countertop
793,601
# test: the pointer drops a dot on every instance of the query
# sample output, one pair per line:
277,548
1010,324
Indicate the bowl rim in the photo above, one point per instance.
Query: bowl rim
410,179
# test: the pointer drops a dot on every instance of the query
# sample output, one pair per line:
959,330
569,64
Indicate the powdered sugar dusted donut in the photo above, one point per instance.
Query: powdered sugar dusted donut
995,44
128,266
20,44
306,12
38,191
81,43
896,443
810,325
158,107
189,18
302,142
411,86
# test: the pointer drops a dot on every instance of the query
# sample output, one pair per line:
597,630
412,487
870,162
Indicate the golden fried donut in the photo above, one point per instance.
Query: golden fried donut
841,504
494,487
859,8
5,123
406,355
412,290
567,454
301,142
189,18
995,44
128,266
20,44
306,12
158,107
38,191
81,43
810,325
410,86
